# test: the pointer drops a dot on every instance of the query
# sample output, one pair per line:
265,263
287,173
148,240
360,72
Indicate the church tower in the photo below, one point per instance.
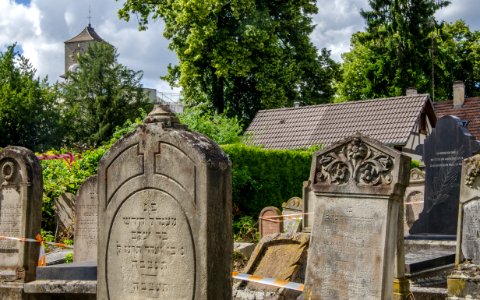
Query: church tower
78,45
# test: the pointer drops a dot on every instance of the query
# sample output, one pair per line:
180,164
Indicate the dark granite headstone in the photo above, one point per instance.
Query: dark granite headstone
443,152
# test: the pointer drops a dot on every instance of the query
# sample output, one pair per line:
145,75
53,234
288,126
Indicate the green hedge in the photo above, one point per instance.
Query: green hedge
261,177
264,177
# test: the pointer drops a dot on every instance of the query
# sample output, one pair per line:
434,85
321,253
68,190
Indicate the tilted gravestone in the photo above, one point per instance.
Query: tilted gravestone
358,185
164,228
20,216
465,280
443,152
270,221
86,217
292,215
281,256
65,216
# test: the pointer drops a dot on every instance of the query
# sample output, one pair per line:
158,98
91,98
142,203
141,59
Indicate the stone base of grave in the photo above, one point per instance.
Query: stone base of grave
428,293
13,291
401,289
464,283
61,290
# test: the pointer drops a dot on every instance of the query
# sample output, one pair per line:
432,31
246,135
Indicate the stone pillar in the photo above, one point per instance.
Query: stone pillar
164,215
464,283
357,186
21,189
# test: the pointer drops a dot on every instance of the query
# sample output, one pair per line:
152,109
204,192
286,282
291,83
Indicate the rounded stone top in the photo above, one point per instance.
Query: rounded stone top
162,114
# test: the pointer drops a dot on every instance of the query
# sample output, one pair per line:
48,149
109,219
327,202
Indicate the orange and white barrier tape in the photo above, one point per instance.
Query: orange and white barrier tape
42,261
269,281
287,217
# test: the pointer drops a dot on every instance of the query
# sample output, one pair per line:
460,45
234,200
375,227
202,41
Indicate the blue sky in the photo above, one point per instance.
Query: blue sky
41,26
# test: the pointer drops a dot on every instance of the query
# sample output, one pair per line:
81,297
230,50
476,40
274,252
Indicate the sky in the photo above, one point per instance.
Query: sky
40,27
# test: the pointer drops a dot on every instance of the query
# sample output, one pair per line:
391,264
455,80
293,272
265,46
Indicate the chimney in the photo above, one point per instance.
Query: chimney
458,94
411,91
296,104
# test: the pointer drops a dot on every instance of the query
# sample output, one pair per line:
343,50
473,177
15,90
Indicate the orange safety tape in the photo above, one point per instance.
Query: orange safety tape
269,281
42,261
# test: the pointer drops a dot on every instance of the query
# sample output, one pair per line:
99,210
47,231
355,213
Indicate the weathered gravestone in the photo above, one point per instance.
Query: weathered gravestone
65,216
20,216
414,195
86,221
464,283
359,185
280,256
164,215
443,152
270,221
292,215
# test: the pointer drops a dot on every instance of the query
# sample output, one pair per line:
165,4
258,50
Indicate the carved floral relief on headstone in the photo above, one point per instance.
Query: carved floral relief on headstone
358,186
164,203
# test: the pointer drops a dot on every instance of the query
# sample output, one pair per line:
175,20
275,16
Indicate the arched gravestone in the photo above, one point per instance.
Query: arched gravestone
356,187
20,214
443,152
164,215
270,221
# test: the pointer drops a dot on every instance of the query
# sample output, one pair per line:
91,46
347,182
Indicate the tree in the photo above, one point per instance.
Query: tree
457,58
100,95
240,56
395,51
29,114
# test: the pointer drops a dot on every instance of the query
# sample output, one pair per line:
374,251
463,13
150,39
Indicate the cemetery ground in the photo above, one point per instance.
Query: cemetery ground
150,217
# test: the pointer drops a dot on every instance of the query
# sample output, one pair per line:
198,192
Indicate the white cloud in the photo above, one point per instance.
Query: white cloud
42,27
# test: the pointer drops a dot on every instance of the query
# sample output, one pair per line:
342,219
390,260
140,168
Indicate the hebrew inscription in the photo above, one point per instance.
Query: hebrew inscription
151,251
351,262
355,161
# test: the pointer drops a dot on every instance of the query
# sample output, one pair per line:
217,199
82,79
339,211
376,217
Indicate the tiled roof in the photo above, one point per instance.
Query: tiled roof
388,120
87,34
470,112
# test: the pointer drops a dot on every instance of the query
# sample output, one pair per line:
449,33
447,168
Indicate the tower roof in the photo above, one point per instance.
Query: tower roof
87,34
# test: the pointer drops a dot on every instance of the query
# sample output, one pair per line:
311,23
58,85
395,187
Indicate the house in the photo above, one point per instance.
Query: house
467,109
401,122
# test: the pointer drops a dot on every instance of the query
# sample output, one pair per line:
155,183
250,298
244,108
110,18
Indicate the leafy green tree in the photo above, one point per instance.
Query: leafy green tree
395,51
218,127
240,56
28,108
458,58
100,95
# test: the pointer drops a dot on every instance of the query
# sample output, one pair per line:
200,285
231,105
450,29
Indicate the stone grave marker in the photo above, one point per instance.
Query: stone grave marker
280,256
86,221
292,211
414,195
164,205
270,221
359,185
443,152
465,280
65,216
20,216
